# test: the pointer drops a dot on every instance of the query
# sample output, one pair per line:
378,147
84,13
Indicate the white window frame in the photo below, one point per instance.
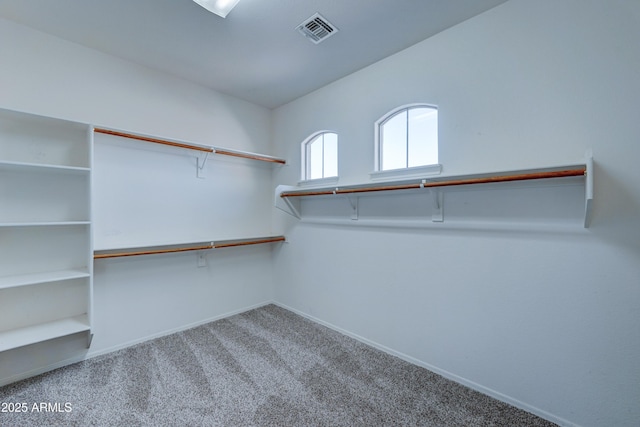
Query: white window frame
378,172
306,161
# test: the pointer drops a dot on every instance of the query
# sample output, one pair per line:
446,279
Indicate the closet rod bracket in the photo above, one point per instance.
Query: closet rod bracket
202,162
437,213
353,202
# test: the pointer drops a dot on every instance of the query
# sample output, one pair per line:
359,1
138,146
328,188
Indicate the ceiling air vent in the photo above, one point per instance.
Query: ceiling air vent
317,28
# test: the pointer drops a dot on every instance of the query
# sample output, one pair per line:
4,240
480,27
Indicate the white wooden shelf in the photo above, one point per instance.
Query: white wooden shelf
290,199
38,278
42,332
43,223
41,167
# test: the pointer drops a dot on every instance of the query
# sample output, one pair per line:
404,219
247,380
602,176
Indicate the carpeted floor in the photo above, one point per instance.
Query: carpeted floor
265,367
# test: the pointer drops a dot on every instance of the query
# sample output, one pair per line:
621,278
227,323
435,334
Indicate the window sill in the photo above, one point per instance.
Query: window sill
415,172
319,181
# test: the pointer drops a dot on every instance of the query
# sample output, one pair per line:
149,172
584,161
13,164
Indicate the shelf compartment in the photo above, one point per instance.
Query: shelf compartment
25,306
32,139
40,249
42,332
38,278
46,196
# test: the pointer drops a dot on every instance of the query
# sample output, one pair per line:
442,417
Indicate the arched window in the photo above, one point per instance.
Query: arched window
320,156
407,137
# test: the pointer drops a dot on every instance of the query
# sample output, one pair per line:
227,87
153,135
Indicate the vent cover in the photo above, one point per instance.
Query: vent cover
317,28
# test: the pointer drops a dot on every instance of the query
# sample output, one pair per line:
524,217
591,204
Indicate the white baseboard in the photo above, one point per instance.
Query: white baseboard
451,376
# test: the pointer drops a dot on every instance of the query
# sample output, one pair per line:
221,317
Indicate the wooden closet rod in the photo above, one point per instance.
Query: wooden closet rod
248,242
443,183
152,251
251,156
212,245
154,140
222,151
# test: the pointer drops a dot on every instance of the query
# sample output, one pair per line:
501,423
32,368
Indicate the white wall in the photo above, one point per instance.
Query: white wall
145,194
545,320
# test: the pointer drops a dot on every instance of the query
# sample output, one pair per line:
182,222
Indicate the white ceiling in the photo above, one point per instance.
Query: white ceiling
255,53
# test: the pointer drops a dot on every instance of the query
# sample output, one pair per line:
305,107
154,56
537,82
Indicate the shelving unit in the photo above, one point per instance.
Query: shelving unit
296,202
45,229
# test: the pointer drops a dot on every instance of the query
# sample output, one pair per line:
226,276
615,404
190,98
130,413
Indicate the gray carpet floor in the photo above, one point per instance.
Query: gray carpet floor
265,367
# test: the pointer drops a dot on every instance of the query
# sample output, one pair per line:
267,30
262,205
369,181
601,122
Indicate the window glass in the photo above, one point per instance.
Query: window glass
394,142
330,155
408,137
320,156
423,137
315,158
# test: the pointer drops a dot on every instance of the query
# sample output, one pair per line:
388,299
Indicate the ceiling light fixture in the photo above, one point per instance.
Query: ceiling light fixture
219,7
